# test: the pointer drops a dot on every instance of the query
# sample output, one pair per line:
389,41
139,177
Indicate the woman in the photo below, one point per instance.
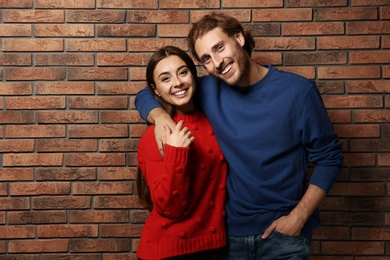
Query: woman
187,185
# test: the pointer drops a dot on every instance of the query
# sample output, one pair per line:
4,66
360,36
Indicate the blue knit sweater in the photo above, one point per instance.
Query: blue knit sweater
268,133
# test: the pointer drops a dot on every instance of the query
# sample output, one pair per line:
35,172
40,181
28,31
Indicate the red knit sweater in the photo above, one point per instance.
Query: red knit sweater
188,188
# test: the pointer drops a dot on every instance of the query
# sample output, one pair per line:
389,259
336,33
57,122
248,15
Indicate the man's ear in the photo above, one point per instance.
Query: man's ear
240,38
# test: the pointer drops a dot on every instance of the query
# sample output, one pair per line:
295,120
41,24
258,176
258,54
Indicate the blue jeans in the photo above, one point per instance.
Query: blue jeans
276,246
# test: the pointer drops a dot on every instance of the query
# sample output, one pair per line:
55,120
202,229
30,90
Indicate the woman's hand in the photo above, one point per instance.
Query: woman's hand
179,137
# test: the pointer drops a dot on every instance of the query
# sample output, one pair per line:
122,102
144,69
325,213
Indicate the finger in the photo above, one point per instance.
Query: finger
167,130
179,125
268,231
161,148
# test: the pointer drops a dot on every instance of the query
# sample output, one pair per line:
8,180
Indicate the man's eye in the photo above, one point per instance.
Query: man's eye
206,60
220,47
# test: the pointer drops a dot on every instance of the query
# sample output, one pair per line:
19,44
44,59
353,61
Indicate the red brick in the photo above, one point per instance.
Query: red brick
242,15
348,72
384,12
99,245
348,42
116,202
268,58
357,130
63,231
15,30
369,2
369,174
16,146
7,232
67,117
174,4
372,116
36,217
95,45
65,174
41,45
17,117
353,101
307,72
290,43
35,102
89,188
384,159
137,130
14,204
369,57
145,4
122,59
120,88
313,28
127,230
64,30
32,160
91,256
121,117
339,116
252,4
138,74
139,216
137,45
8,59
38,246
369,145
332,233
98,131
16,174
117,173
34,16
355,13
125,30
98,16
312,58
16,4
316,3
64,59
152,16
374,27
35,189
359,159
368,86
60,4
64,88
179,30
99,216
274,15
61,202
97,73
35,131
66,145
102,159
353,247
15,88
118,145
119,102
358,189
35,74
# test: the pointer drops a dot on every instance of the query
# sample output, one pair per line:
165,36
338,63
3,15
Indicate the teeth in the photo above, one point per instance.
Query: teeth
180,93
227,68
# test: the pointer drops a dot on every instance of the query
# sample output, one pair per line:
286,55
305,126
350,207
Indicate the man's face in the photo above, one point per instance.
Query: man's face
223,56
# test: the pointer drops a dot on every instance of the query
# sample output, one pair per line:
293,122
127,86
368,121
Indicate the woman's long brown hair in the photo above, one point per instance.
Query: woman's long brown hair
142,187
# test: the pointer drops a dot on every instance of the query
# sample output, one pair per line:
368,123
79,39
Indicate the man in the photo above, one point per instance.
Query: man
270,124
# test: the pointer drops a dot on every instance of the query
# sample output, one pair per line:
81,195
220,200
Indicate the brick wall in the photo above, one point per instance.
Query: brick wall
69,131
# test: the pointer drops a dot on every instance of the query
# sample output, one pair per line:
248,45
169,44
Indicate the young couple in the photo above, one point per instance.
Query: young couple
268,124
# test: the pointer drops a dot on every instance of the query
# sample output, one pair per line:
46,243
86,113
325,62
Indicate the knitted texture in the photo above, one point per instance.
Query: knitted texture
188,187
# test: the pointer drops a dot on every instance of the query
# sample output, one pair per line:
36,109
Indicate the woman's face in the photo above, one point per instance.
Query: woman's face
175,83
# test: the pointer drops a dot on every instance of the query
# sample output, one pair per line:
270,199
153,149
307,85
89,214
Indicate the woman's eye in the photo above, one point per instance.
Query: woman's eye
183,72
165,79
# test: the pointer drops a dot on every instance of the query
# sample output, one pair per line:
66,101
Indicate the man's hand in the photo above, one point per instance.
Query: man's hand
293,223
161,119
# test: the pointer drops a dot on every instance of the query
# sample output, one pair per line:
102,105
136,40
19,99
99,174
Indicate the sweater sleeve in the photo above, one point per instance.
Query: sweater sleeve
167,181
145,102
323,146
